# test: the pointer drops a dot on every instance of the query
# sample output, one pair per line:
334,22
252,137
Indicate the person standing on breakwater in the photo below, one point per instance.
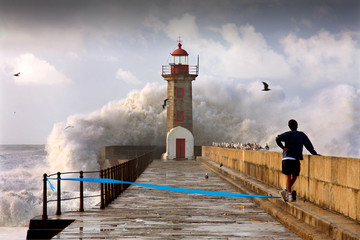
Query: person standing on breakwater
292,154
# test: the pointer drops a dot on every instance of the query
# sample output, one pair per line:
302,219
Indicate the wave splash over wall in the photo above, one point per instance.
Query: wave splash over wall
330,117
139,119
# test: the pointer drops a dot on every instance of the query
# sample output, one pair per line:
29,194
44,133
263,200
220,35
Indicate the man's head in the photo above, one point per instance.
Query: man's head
292,124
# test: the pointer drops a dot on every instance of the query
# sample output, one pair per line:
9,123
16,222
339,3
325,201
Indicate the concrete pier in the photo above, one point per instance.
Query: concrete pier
145,213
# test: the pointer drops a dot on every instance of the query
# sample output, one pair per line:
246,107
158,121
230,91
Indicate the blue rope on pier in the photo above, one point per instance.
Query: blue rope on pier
51,186
165,188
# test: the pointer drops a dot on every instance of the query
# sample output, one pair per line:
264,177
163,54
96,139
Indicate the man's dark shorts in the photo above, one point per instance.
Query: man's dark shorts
291,167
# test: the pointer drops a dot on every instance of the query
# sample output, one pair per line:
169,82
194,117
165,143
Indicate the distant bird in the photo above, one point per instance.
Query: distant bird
206,176
69,127
164,105
221,164
266,87
17,74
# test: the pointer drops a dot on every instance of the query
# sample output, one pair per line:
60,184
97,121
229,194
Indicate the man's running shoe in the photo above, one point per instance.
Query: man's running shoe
283,194
290,197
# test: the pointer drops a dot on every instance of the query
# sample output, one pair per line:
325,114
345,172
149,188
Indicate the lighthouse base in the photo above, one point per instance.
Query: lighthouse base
179,144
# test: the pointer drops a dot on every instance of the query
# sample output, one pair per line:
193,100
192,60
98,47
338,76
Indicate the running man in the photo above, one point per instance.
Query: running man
292,154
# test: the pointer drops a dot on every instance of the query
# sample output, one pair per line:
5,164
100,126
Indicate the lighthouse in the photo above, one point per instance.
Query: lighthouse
179,124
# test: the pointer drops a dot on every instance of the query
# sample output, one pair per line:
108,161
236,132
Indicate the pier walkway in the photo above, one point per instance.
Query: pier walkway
144,213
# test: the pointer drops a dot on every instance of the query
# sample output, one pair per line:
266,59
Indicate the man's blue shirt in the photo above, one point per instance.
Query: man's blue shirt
294,142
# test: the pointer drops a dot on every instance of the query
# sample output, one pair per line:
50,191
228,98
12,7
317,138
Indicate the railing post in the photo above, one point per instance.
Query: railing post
102,204
107,187
113,184
81,208
128,173
118,174
122,177
133,163
110,185
58,205
116,185
45,216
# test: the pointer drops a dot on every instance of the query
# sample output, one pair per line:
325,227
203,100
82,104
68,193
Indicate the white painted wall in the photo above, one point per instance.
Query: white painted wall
173,134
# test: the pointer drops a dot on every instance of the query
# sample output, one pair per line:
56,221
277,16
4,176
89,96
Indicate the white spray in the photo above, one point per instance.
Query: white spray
137,120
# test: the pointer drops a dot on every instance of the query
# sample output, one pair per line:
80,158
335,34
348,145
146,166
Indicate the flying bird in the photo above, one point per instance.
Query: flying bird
164,105
266,87
17,74
69,127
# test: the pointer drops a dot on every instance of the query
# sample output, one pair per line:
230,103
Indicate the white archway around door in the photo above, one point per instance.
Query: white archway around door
180,135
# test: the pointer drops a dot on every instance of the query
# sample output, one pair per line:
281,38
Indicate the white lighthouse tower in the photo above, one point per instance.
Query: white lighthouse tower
179,124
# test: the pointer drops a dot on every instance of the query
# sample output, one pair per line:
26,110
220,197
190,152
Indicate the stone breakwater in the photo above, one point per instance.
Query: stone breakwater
329,182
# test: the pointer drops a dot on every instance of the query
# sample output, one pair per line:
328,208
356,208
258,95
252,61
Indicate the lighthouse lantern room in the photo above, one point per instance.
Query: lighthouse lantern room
179,63
179,123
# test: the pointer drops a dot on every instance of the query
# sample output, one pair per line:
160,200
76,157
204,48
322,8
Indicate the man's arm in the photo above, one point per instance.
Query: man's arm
308,145
278,142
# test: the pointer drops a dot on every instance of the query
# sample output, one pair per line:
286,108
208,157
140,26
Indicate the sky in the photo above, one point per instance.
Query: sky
75,57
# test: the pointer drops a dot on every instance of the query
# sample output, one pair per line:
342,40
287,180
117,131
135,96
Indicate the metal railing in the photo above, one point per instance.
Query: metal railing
193,70
128,171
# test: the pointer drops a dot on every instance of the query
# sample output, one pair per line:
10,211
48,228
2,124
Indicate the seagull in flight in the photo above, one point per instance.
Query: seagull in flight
164,105
17,74
266,87
69,127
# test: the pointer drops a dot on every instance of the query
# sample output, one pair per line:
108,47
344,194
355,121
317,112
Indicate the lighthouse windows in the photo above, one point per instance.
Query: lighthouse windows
179,116
179,92
178,60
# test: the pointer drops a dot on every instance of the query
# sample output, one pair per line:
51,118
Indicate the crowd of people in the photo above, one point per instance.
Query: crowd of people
243,146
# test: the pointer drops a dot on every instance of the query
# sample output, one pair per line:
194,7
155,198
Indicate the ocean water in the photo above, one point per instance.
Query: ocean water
21,171
21,168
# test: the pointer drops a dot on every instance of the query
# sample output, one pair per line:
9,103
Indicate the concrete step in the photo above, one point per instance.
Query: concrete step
304,218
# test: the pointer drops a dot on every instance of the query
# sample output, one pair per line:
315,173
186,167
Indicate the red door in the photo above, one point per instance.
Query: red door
180,148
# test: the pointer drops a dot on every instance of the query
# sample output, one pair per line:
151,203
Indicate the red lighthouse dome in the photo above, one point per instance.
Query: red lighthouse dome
179,51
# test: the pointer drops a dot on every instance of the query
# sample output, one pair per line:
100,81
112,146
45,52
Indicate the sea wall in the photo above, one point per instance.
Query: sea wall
330,182
114,155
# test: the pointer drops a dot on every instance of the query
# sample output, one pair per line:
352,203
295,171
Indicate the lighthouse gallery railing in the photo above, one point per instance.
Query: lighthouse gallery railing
193,70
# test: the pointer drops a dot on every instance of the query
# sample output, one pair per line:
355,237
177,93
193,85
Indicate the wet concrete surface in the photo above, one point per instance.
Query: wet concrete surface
144,213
